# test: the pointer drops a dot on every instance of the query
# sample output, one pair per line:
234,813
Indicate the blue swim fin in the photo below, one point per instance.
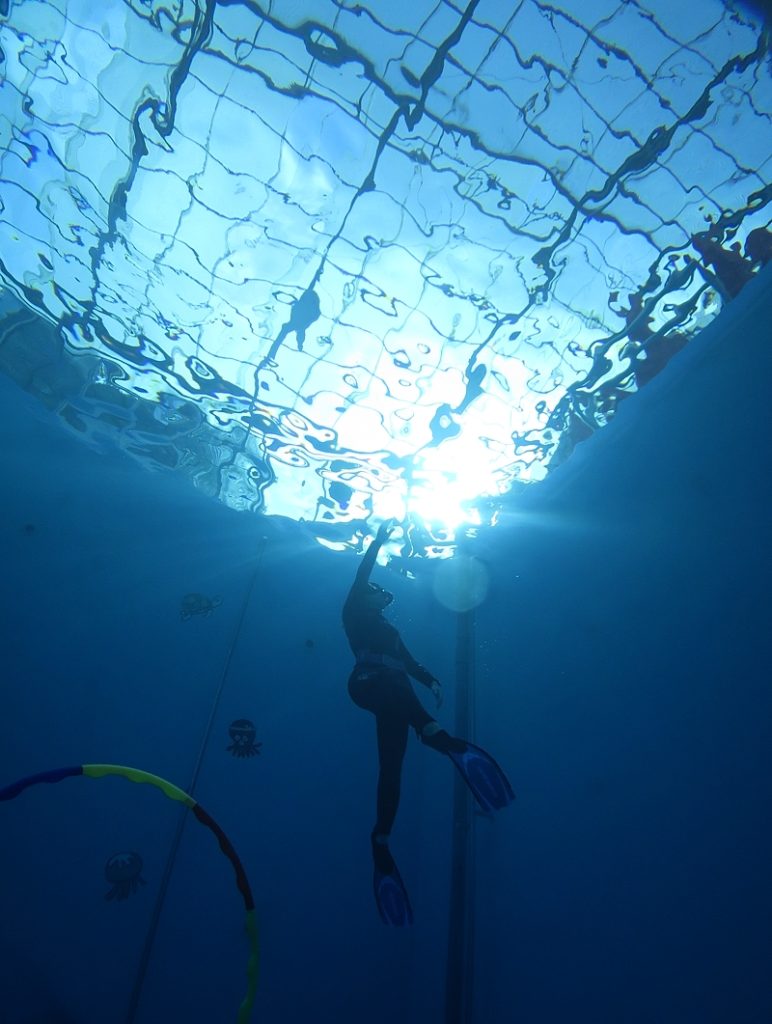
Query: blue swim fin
391,896
488,783
392,899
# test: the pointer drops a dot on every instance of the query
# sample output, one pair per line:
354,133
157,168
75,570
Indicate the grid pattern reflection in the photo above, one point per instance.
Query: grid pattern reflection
355,260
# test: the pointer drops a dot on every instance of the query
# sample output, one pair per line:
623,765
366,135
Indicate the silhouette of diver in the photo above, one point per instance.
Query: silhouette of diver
379,683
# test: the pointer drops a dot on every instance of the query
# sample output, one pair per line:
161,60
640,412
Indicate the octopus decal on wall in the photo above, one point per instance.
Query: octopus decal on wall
243,733
124,872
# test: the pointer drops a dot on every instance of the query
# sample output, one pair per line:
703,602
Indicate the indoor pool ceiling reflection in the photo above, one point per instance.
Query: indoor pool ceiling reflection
341,261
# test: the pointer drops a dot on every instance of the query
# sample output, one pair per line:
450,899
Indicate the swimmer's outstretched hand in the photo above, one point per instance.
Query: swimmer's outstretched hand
384,531
436,689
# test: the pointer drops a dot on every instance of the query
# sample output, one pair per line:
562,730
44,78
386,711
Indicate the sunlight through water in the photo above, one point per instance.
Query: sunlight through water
344,261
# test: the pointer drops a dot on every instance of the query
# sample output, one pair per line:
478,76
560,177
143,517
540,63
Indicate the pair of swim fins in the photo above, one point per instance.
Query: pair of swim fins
492,791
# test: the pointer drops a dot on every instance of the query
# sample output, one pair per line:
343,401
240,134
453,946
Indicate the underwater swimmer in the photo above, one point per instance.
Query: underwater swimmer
379,683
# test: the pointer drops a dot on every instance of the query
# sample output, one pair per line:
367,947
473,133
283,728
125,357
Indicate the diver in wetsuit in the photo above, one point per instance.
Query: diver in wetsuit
379,683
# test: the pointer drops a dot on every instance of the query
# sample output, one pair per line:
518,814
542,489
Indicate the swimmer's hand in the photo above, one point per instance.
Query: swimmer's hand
436,689
384,531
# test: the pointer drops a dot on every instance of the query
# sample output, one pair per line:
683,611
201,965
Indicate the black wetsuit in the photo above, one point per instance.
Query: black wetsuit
380,683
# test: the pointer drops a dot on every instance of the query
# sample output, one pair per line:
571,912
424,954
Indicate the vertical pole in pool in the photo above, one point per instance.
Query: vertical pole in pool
459,980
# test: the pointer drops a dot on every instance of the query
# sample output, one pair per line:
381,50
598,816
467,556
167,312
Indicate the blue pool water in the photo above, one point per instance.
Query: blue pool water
270,275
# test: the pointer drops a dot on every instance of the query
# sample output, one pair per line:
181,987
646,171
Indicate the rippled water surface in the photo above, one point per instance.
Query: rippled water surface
343,260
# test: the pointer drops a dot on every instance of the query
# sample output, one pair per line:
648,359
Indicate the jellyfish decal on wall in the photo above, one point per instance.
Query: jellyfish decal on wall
124,872
243,733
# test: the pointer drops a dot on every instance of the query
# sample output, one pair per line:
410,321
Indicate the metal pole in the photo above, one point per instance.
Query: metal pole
459,979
